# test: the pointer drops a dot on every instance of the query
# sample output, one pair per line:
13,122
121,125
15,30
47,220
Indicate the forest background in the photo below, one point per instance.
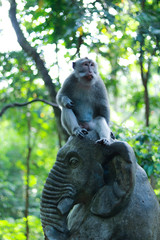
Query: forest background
123,38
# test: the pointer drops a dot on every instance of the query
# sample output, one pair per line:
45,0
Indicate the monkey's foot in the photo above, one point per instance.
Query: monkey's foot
103,141
81,132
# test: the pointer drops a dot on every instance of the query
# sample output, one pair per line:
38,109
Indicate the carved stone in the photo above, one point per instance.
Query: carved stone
109,192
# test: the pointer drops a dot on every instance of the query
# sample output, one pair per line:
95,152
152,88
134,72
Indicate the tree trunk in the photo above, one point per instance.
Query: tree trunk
27,176
146,100
145,78
32,52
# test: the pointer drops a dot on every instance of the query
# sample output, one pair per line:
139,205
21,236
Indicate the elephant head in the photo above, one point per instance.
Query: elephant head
106,185
75,177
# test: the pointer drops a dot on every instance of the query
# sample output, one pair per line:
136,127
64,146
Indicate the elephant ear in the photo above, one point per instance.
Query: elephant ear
113,196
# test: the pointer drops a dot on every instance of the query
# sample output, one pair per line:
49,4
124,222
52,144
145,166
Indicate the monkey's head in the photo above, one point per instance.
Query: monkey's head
86,71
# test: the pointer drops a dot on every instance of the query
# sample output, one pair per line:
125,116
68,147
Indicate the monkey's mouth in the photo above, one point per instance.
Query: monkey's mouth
89,77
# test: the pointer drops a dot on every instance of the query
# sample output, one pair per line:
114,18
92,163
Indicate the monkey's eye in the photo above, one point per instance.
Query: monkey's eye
85,64
74,162
92,64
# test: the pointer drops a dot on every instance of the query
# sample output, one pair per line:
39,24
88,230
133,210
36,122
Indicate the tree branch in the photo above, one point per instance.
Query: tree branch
25,104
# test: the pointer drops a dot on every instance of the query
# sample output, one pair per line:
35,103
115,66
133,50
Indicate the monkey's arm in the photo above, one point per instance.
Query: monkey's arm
63,95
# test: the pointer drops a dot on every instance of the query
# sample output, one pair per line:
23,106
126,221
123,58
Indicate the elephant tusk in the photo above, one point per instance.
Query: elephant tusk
65,205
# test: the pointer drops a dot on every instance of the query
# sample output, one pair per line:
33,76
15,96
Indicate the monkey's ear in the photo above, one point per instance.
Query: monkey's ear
73,65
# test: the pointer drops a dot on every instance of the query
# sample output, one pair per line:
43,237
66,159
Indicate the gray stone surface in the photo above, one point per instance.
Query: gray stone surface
98,192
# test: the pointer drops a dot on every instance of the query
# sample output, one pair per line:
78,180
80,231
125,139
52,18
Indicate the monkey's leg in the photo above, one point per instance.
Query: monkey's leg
70,123
102,128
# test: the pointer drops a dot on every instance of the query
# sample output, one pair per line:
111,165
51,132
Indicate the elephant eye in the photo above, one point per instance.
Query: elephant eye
74,162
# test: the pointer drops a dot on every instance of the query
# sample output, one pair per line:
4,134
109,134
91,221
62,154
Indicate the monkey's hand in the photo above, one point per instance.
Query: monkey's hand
68,103
81,132
65,101
103,141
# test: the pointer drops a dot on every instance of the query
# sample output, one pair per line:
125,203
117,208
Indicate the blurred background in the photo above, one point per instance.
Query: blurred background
39,40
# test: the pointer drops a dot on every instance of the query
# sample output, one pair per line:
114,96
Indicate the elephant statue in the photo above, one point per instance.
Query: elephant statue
96,192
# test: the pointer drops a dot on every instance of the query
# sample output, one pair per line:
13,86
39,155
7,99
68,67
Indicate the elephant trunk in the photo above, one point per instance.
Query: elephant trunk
57,200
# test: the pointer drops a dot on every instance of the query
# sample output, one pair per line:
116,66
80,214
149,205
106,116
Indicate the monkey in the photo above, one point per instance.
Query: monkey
84,102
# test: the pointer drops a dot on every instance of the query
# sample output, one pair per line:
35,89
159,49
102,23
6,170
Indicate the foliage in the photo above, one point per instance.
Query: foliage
146,145
13,170
15,229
